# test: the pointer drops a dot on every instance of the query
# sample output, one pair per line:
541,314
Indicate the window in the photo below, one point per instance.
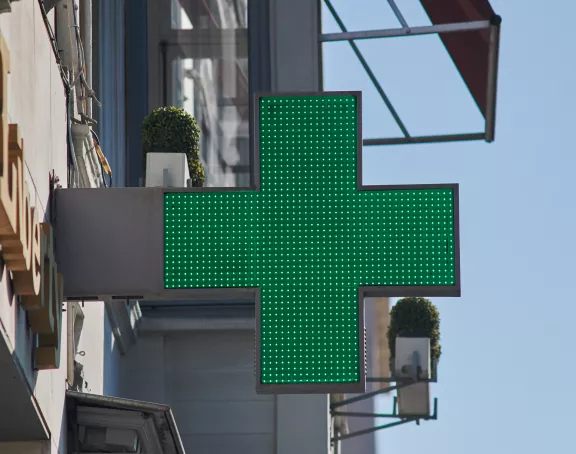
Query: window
109,86
198,57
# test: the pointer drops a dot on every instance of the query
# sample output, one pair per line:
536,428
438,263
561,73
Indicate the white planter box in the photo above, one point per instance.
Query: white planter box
167,170
403,357
413,400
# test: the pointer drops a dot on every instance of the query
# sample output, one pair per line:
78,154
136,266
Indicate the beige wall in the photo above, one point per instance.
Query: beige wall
37,102
36,97
25,447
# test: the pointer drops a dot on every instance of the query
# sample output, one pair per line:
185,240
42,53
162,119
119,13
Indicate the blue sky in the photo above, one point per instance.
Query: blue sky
508,344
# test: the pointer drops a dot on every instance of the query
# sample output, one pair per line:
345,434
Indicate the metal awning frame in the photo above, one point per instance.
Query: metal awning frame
405,30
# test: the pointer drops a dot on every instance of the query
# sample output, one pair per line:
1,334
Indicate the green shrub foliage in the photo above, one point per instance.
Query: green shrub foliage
415,317
196,172
173,130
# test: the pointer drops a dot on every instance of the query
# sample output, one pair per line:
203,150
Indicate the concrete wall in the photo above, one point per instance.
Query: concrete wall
207,377
101,356
37,102
364,444
378,358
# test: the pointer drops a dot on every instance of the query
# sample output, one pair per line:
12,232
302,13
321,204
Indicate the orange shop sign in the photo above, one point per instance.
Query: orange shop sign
27,244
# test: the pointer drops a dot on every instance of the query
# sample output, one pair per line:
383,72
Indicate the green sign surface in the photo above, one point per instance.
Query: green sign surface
312,242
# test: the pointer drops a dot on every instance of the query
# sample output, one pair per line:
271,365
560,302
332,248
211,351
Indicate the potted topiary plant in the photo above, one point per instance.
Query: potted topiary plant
173,130
415,317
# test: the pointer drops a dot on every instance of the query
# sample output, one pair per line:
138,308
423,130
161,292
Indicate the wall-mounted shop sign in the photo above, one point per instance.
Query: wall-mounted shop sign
27,243
307,242
314,240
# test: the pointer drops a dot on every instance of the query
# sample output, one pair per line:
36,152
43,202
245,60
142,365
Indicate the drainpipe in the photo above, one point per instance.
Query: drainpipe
86,33
67,23
66,48
65,36
76,38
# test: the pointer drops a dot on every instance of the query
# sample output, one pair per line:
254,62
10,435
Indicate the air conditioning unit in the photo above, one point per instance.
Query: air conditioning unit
169,170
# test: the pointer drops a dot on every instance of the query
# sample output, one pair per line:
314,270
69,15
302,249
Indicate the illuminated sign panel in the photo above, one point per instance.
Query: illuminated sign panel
313,242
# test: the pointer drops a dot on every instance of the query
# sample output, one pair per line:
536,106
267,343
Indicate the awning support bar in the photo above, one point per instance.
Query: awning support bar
425,139
414,31
368,70
398,14
492,78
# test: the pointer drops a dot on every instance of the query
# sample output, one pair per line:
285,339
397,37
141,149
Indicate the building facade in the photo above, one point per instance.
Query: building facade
36,136
77,79
58,360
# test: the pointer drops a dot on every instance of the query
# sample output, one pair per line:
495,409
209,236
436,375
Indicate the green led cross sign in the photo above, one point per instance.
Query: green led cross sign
308,242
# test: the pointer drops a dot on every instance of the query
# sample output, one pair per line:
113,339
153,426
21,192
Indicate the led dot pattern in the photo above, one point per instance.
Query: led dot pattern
308,238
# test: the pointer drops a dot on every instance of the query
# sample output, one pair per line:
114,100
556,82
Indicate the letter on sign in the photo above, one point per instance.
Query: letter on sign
27,244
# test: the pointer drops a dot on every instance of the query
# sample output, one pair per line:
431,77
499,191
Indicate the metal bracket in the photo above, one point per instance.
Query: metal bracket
412,377
493,25
401,382
403,420
404,382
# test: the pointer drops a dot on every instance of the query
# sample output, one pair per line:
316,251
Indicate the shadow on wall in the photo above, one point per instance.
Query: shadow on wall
31,319
111,361
27,343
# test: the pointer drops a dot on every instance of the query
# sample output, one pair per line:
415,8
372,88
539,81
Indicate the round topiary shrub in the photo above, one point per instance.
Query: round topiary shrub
415,317
173,130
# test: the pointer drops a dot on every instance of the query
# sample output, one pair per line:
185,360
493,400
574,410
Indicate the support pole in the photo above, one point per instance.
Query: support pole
414,31
373,429
86,34
364,396
356,414
492,78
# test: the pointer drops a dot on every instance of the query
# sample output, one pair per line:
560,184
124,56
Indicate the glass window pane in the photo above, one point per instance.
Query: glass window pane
207,75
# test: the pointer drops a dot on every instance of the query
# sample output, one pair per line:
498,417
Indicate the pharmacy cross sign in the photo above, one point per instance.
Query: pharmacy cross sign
310,242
